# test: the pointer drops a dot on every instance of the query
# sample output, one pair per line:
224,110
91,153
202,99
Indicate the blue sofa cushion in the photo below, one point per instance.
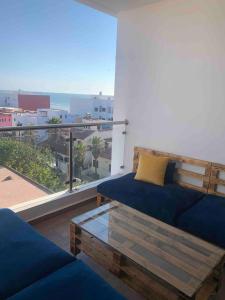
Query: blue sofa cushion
25,256
206,220
74,281
165,203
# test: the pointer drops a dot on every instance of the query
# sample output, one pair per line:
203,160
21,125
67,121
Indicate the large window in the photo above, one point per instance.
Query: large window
57,63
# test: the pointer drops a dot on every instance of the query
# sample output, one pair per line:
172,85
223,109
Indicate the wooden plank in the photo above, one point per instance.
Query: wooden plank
194,257
173,230
99,199
188,173
146,285
163,255
191,186
74,230
189,289
219,167
215,181
207,290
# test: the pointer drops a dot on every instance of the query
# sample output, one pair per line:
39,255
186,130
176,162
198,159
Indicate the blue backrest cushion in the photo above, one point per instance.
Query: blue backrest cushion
169,176
25,255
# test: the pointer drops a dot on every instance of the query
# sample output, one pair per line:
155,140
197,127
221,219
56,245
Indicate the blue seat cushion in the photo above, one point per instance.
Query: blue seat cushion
164,203
25,256
206,220
74,281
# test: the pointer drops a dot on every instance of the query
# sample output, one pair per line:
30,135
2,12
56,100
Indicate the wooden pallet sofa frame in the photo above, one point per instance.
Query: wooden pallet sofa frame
206,217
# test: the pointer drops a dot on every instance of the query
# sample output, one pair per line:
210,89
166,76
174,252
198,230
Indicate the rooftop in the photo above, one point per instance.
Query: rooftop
23,189
81,134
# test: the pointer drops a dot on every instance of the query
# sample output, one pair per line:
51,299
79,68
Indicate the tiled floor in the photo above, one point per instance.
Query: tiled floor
56,228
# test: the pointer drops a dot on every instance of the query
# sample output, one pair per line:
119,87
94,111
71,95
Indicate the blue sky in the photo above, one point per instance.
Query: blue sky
56,46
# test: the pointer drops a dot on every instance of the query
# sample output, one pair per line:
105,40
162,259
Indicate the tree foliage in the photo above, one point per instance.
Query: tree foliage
54,120
96,148
35,163
79,155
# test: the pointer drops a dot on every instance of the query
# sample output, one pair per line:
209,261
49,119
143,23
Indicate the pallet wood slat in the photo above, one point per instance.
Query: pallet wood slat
190,174
180,248
216,181
191,186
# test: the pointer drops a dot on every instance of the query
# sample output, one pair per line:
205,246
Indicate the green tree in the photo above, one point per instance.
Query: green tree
79,155
54,134
34,163
54,120
96,148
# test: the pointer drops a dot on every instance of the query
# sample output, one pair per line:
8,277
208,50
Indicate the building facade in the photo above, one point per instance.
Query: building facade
96,106
33,102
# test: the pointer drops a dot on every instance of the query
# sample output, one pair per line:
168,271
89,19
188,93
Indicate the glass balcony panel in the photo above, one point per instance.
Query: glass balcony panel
35,163
92,155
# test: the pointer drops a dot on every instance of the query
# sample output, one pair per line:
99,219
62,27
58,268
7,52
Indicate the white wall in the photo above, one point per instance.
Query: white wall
81,105
170,78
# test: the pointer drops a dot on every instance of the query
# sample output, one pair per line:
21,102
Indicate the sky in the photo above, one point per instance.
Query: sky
56,46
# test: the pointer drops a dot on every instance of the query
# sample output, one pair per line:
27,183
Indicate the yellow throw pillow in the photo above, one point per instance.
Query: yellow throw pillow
152,168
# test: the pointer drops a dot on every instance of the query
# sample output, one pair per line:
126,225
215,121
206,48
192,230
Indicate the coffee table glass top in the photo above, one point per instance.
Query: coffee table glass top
178,258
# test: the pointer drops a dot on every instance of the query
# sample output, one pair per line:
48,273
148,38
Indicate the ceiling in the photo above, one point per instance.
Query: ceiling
113,7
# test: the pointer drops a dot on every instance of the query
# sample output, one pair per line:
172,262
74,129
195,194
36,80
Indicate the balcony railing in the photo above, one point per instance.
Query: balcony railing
39,160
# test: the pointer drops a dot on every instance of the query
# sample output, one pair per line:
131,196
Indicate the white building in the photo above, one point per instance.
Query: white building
41,117
8,99
97,106
63,115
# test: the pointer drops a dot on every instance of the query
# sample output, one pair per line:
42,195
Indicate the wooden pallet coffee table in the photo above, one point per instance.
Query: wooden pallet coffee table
157,260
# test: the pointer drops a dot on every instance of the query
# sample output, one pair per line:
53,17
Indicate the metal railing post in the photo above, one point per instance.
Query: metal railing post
71,162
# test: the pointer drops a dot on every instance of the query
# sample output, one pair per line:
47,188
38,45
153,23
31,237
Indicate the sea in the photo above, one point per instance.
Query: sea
57,100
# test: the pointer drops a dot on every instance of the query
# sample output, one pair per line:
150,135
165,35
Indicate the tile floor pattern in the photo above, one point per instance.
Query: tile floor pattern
56,229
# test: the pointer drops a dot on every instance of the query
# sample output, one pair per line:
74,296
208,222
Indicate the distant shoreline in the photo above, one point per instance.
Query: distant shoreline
57,100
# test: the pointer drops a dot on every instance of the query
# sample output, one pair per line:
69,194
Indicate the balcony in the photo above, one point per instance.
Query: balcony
170,71
40,164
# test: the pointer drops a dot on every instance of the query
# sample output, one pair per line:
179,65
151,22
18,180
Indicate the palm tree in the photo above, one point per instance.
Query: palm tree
79,155
55,133
97,145
54,137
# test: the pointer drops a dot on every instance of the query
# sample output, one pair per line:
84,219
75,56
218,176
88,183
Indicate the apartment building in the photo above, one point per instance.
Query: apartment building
97,106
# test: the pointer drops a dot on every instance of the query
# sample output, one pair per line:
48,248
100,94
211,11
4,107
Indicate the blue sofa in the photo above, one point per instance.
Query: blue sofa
33,268
190,210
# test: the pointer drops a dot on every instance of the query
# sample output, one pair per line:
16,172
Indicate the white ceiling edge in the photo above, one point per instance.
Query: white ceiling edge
96,5
114,7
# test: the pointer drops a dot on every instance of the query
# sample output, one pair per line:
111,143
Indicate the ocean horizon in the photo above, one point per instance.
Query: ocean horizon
57,100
